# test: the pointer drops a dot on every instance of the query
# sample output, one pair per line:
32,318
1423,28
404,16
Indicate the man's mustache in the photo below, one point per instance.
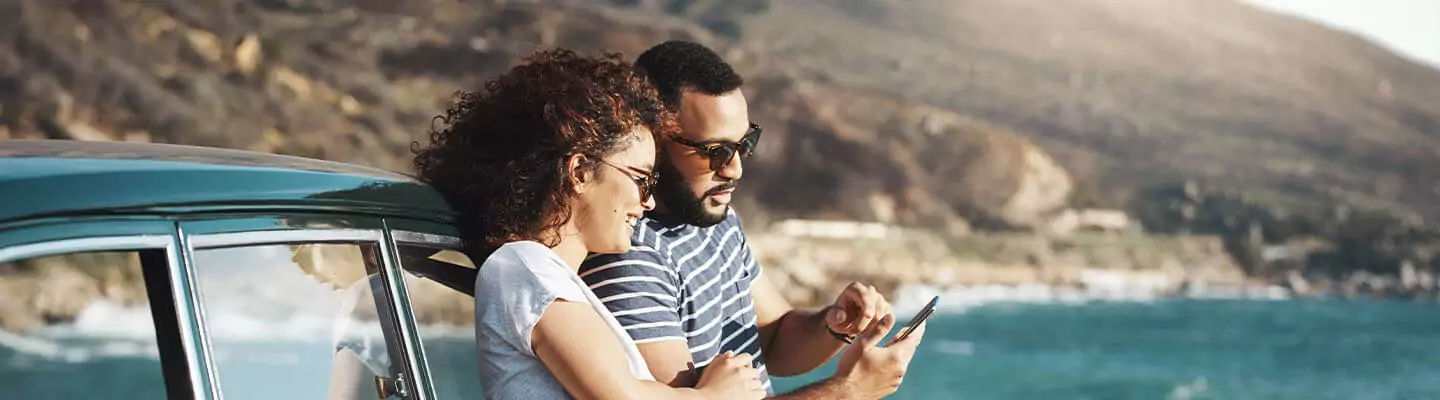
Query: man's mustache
723,187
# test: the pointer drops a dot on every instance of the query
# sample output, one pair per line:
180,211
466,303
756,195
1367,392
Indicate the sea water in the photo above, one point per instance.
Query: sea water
1163,349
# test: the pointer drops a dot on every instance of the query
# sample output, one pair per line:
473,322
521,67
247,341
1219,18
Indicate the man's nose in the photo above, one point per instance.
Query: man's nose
732,169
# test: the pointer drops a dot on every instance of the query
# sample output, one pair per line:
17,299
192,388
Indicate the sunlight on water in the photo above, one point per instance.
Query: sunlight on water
1170,350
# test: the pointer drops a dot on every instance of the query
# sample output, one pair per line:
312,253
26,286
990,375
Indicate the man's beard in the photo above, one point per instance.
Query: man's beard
680,203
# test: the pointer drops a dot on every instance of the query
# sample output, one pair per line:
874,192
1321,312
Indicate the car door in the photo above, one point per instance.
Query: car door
301,306
440,289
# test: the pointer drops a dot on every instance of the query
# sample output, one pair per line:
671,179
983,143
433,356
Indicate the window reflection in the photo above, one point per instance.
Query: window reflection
297,321
441,286
77,326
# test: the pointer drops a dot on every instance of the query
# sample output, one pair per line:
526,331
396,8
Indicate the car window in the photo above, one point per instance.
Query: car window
302,321
77,326
441,288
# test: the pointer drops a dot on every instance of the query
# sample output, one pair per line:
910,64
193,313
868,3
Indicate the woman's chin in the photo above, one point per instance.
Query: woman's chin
618,247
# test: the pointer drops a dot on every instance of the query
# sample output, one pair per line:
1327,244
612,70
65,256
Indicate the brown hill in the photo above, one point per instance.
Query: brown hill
1128,94
918,111
357,81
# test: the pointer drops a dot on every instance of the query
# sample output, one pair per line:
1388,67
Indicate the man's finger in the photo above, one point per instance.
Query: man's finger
877,331
861,298
909,343
884,308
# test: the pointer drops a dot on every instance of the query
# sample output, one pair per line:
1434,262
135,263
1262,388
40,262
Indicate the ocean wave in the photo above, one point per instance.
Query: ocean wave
955,347
110,330
73,351
1188,390
908,299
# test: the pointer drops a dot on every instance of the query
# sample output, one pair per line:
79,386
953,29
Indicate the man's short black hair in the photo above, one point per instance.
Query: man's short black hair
677,65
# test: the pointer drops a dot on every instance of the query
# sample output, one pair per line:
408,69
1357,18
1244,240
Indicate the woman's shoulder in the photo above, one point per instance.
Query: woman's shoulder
525,266
517,255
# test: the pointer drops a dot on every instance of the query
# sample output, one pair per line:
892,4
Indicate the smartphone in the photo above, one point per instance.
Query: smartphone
919,318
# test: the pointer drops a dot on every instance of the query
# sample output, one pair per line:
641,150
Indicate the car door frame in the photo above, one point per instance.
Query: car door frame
269,228
411,232
158,242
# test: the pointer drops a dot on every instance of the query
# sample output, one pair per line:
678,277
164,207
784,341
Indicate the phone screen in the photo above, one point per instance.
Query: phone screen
919,318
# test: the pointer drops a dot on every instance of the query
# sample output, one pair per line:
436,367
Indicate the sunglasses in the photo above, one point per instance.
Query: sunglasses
646,183
720,154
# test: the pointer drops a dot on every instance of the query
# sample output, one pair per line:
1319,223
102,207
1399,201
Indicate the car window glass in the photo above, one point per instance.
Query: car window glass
303,321
77,326
441,286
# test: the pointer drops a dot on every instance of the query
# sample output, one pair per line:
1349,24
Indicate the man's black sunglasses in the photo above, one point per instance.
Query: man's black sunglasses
720,154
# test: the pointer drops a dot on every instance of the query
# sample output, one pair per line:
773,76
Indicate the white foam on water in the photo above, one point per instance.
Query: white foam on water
1188,390
107,329
908,299
111,320
43,348
955,347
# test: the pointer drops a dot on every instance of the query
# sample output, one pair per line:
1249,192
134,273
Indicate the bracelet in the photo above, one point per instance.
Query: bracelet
848,339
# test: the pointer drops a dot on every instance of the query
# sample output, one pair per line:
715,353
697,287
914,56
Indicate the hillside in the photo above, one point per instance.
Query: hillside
1127,94
358,81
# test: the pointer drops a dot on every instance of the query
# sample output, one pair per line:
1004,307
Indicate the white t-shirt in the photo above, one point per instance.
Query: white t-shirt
512,289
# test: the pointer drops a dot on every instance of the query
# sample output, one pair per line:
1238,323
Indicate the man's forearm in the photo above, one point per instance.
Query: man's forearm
832,388
801,344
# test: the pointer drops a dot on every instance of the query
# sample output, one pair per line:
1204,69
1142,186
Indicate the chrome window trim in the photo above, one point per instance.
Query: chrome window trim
298,236
196,312
405,315
402,237
421,238
86,245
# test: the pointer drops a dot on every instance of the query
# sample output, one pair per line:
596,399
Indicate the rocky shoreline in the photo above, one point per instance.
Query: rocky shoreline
811,268
810,261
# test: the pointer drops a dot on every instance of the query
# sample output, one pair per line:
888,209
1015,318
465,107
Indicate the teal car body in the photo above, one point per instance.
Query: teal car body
194,216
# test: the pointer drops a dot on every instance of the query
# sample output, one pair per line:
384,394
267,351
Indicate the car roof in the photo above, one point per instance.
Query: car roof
50,178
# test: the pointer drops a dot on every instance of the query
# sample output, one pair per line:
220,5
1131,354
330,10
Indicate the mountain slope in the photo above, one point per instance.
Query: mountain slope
1128,94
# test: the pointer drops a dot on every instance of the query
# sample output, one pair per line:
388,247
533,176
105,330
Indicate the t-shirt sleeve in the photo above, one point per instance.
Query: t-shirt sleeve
641,291
514,287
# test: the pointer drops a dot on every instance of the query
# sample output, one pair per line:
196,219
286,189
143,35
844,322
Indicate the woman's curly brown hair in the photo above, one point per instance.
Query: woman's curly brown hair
499,158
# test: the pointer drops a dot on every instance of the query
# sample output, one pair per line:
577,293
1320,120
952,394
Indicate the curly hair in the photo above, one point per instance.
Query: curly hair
499,158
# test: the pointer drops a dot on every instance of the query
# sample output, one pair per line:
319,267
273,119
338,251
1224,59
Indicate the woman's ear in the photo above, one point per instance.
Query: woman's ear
575,172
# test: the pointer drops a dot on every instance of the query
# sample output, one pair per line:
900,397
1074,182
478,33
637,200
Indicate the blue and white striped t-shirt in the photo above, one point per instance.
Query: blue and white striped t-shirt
683,282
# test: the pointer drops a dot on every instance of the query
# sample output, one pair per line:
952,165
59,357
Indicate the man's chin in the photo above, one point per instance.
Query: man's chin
713,213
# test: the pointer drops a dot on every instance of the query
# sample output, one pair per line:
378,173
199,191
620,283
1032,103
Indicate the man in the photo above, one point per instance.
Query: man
691,289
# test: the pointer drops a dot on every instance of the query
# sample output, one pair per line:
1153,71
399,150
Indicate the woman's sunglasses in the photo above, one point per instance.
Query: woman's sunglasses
720,154
646,183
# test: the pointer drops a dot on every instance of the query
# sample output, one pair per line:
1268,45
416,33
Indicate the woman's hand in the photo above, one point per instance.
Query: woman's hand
730,376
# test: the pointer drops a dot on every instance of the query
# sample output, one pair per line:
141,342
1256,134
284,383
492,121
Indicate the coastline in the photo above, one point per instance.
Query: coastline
976,268
809,262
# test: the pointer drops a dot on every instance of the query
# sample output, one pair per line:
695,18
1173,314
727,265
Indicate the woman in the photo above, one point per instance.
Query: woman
552,161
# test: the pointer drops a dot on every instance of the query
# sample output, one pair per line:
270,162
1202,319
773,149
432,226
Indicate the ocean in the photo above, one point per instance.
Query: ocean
1160,349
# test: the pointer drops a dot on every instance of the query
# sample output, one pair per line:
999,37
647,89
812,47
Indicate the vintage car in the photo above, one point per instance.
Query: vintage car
143,271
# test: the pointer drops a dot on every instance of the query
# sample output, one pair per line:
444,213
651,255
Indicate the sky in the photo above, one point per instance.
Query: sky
1408,27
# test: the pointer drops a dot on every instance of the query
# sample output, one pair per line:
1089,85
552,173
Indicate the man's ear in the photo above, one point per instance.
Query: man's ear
575,172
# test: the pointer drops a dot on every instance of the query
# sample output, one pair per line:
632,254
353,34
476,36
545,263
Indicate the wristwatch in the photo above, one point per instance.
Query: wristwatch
842,337
839,336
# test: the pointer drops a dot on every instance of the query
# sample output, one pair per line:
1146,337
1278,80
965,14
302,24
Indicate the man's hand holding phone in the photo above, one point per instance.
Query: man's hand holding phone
873,372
